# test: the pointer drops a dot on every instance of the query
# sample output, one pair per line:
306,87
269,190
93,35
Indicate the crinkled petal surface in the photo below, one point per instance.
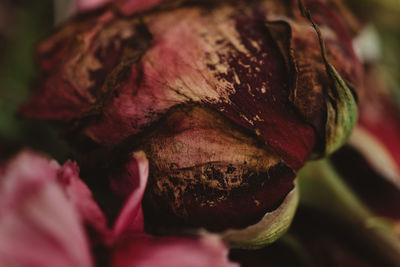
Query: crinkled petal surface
118,75
171,81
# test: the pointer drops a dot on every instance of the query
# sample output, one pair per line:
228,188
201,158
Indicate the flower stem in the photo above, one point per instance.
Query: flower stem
322,188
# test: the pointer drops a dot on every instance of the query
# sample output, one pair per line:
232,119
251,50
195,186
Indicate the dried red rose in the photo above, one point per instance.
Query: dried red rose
228,99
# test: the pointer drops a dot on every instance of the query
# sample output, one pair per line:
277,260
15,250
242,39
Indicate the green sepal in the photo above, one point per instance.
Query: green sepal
341,112
271,227
341,104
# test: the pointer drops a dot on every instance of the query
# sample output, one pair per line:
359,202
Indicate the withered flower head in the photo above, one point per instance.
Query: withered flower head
228,99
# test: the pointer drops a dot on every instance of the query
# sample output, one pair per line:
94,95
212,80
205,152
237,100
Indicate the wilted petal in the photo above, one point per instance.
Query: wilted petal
86,5
38,224
127,7
205,171
171,252
325,81
130,7
116,71
135,177
123,61
81,197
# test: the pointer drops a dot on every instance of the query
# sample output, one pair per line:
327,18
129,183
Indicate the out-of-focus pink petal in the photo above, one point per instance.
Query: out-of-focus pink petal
129,7
131,215
172,252
86,5
378,129
38,224
372,165
81,197
376,154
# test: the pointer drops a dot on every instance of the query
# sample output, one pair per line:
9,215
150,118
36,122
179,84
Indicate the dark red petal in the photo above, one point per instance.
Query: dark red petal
130,217
205,171
81,197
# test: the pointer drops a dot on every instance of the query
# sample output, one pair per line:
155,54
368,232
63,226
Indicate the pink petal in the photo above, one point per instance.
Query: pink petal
172,252
38,224
86,5
379,116
131,215
127,7
377,133
81,197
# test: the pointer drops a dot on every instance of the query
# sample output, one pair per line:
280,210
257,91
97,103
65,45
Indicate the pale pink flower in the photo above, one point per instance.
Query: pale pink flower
39,226
43,207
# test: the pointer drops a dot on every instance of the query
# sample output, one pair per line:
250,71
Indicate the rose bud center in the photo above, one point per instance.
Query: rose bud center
206,172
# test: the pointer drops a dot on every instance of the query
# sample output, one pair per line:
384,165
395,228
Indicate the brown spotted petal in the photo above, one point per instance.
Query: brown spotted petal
81,64
119,75
205,171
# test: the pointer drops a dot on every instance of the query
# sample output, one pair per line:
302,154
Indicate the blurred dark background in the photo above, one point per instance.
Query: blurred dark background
23,23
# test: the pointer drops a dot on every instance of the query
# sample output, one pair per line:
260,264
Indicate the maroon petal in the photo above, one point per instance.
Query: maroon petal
130,217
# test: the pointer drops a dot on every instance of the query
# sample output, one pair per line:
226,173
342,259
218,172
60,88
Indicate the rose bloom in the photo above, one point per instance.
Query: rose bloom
228,100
